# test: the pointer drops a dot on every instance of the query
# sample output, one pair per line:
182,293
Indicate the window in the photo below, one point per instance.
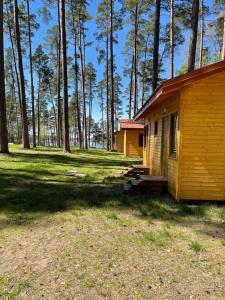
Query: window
141,140
173,130
156,128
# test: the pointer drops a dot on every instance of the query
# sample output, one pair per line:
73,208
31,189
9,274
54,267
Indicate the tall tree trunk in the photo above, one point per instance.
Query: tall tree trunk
144,71
102,104
107,93
194,35
3,121
31,74
65,79
53,107
59,104
131,88
14,57
77,104
112,74
13,94
90,112
25,130
201,54
135,61
76,93
155,71
83,85
223,47
38,113
171,38
84,72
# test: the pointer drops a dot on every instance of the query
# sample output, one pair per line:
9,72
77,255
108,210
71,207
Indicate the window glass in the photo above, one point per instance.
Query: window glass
174,129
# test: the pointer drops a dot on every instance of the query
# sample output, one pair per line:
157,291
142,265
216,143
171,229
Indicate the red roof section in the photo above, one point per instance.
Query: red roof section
131,124
175,84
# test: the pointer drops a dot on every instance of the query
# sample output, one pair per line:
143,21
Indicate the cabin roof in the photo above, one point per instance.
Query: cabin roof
131,124
175,84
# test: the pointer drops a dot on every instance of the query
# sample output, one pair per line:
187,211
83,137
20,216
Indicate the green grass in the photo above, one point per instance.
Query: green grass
91,238
160,238
196,246
34,184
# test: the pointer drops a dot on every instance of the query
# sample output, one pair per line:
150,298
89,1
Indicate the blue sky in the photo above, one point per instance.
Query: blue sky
180,55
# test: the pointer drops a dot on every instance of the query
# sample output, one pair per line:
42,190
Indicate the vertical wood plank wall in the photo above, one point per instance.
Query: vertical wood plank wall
203,140
154,142
120,141
132,142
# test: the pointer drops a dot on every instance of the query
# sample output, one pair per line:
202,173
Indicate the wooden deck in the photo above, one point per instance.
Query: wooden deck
157,184
136,171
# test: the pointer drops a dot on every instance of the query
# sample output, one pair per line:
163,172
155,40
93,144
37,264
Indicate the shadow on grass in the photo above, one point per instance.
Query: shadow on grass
25,198
61,159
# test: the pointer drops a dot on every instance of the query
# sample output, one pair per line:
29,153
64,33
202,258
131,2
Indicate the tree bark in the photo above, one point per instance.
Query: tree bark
201,54
59,104
171,38
155,71
194,35
112,75
65,78
135,61
144,71
102,103
107,92
90,113
223,47
131,88
26,143
14,57
31,74
83,85
77,104
3,121
38,113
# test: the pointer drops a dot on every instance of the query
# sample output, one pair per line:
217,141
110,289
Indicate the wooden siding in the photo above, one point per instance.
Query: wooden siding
132,142
120,141
155,143
203,140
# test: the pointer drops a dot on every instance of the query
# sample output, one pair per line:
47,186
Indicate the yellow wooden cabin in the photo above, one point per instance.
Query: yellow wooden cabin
184,137
129,139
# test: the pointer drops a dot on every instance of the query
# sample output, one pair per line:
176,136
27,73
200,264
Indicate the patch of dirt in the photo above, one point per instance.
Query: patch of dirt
75,174
94,254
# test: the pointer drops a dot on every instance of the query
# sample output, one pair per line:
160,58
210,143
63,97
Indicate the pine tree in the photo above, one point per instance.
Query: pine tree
65,78
155,71
25,130
194,35
91,83
3,122
31,72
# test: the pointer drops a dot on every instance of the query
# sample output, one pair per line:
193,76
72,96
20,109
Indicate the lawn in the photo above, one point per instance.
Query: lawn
68,232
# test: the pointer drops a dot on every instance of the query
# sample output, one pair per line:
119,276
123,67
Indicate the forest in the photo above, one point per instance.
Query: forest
54,94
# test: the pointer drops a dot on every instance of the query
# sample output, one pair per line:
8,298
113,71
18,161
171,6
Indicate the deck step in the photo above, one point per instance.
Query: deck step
140,167
137,170
158,184
160,179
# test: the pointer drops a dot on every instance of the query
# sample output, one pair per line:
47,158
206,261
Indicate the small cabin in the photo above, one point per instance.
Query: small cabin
184,133
129,139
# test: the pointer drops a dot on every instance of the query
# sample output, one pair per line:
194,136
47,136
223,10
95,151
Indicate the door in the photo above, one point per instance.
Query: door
165,146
